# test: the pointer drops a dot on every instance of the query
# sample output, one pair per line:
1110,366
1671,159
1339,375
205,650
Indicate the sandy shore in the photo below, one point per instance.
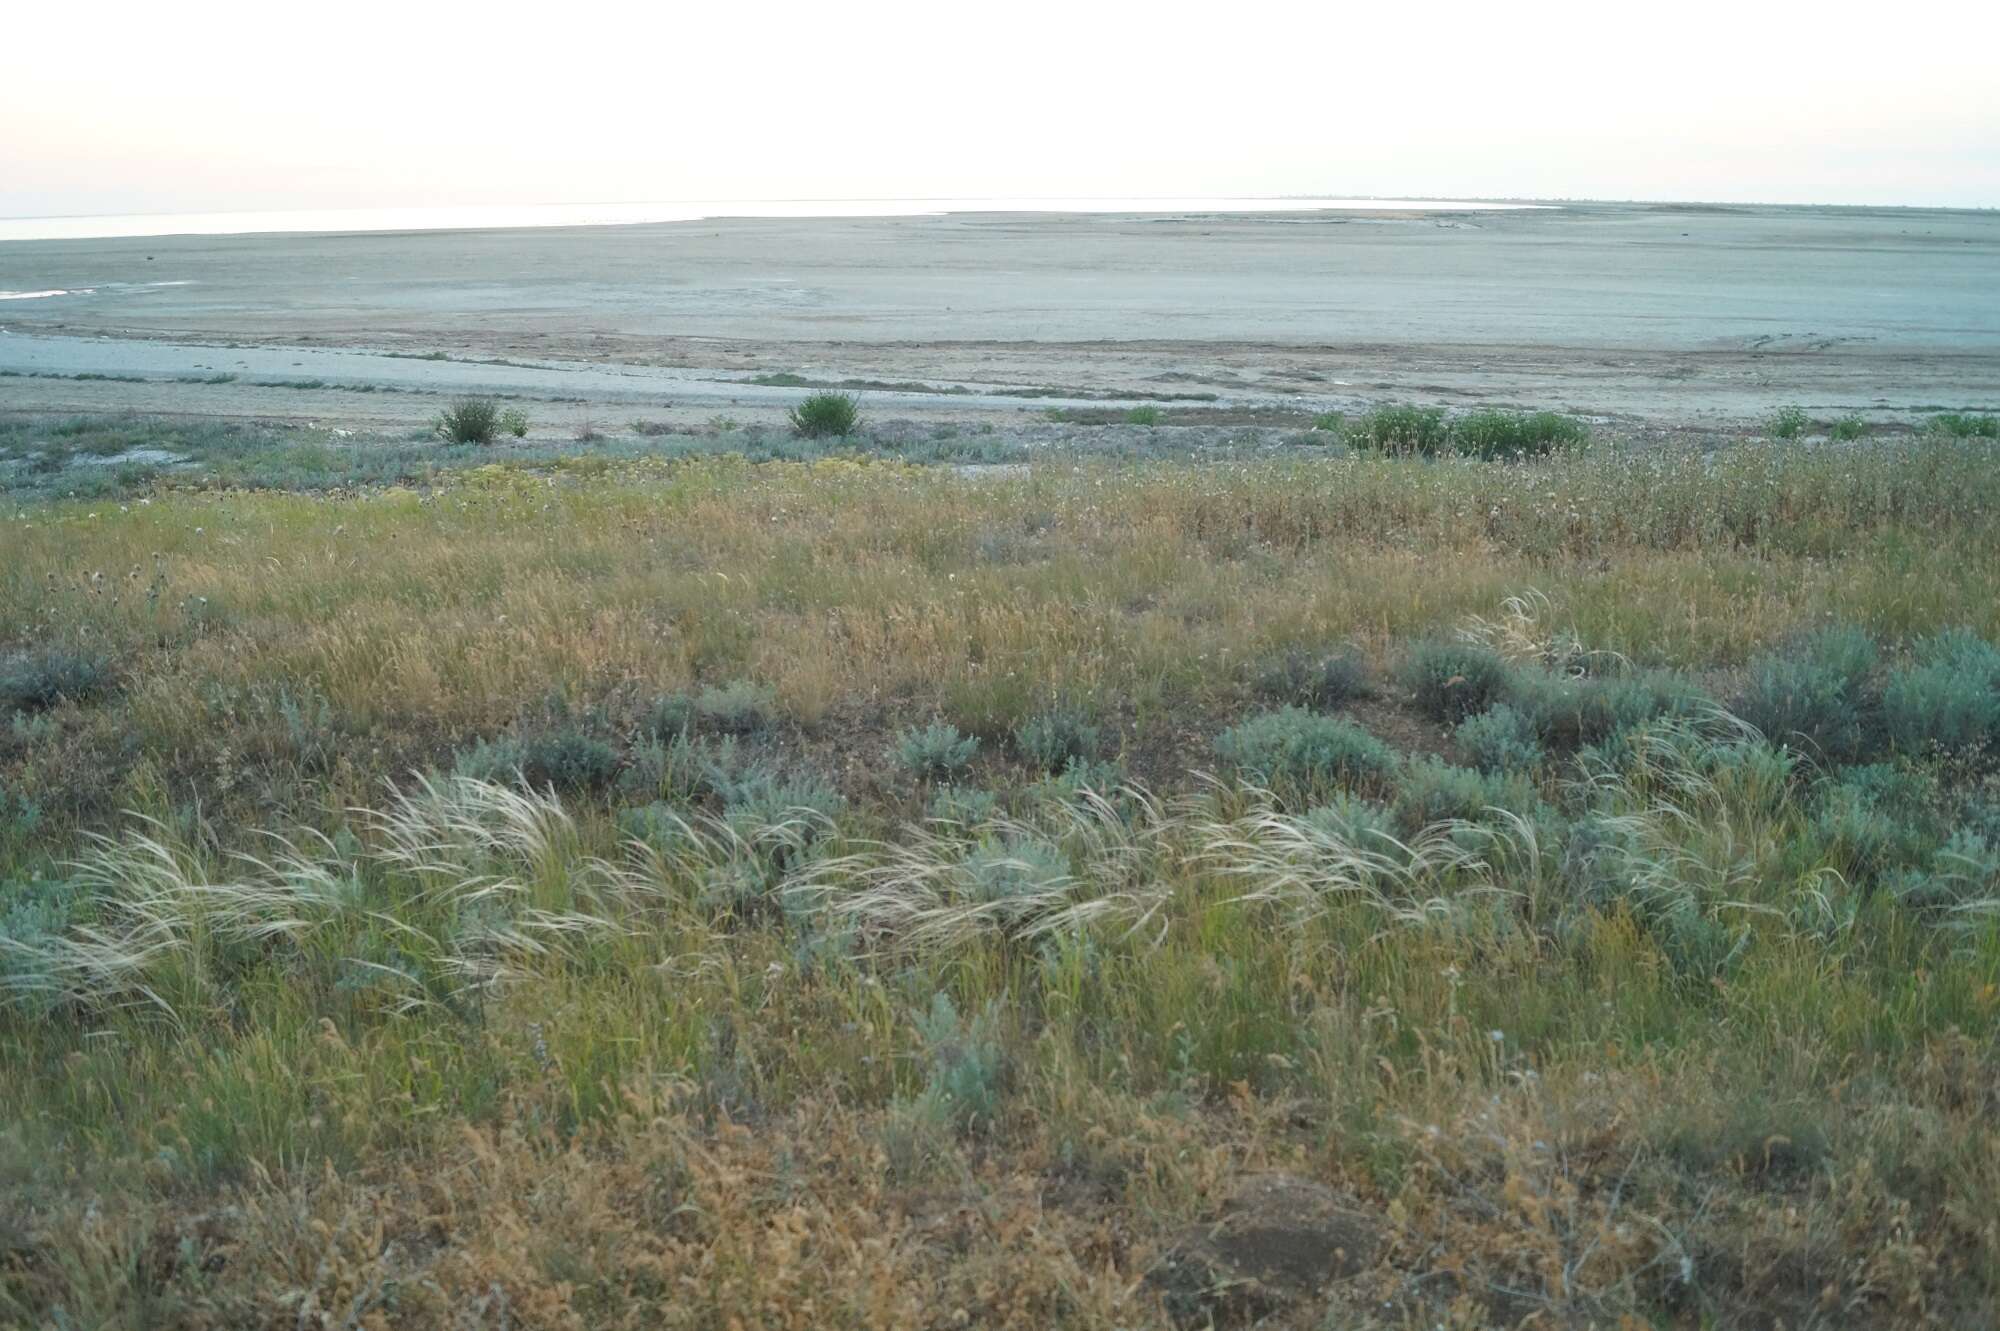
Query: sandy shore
1701,315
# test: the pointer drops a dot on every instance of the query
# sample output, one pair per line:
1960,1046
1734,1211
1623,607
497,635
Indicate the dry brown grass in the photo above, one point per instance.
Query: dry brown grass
857,590
1542,1205
476,1059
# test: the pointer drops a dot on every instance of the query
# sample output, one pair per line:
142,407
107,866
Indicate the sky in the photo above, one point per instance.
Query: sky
215,105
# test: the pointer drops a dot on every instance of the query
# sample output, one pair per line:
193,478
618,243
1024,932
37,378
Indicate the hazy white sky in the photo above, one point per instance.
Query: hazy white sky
215,104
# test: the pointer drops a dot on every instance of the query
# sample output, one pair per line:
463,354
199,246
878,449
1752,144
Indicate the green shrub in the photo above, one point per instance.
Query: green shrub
1949,701
739,707
1570,712
1500,739
675,766
20,815
966,806
1363,824
936,750
778,822
1843,649
757,797
1961,425
825,415
31,913
1146,416
515,422
1295,748
568,760
1454,680
1849,428
38,680
1051,740
1911,793
276,725
1754,772
1875,821
1080,775
1962,875
1597,859
1414,430
1431,791
1819,693
1489,435
1332,422
671,714
1314,679
1789,423
1507,434
1866,835
470,420
658,825
1702,948
1015,868
1650,695
967,1064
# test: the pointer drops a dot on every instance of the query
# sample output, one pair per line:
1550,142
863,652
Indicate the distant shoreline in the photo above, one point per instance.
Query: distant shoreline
502,217
508,217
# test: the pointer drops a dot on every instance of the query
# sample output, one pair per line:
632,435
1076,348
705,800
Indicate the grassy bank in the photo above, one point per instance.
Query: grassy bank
940,900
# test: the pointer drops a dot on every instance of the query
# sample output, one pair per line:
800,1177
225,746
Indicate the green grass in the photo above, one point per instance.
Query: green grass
1507,434
1422,431
1488,434
1967,425
935,893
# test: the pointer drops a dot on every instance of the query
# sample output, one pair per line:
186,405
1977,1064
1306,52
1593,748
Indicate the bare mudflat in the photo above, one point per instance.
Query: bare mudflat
1673,314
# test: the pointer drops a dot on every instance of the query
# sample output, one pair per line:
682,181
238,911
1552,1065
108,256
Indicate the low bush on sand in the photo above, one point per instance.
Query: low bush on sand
1491,435
1966,425
472,420
1788,423
826,415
